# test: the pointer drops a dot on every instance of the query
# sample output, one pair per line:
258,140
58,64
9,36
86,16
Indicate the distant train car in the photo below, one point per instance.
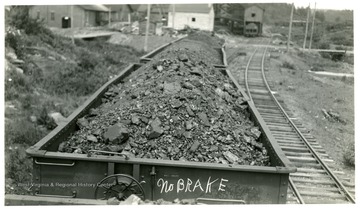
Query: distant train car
251,29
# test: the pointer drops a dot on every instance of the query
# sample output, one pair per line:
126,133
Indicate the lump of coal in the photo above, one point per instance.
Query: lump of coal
117,133
156,129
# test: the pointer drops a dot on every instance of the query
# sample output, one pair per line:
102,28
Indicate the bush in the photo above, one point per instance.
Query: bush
289,65
324,45
342,39
26,101
87,60
20,19
45,120
349,155
22,131
18,168
14,40
15,84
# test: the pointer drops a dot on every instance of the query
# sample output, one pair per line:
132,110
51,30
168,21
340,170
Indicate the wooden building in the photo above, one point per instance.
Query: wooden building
200,16
59,16
243,18
253,15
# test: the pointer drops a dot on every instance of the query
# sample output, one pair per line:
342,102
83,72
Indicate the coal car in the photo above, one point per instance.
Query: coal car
91,176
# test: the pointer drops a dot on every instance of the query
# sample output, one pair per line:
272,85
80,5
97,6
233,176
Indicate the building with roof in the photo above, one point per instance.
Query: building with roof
59,16
253,16
200,16
243,18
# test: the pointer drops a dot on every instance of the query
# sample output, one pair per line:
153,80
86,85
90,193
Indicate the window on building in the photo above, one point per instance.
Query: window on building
38,15
193,19
52,17
253,14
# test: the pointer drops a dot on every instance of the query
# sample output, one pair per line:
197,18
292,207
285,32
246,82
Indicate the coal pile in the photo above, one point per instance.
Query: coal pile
208,53
206,37
176,107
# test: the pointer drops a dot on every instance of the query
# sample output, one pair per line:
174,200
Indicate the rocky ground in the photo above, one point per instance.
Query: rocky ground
177,107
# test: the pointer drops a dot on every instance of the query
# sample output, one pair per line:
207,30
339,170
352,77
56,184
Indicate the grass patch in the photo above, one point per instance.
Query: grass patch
22,131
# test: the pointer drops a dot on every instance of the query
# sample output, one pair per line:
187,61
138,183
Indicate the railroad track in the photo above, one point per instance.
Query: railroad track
316,179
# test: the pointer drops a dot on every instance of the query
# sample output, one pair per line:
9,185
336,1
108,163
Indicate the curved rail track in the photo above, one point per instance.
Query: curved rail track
316,180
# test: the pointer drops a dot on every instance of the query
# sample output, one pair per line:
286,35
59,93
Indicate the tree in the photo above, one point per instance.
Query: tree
301,12
320,15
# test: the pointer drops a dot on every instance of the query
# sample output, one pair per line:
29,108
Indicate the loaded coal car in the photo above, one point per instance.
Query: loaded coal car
174,128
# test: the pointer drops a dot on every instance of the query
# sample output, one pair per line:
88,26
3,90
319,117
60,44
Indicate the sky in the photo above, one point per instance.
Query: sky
330,4
321,4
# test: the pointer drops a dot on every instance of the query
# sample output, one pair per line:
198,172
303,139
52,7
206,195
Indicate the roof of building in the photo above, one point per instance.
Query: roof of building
154,8
98,7
252,5
245,5
192,8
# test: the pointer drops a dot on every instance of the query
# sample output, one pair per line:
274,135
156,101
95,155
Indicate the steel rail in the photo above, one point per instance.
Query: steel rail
246,74
291,183
340,186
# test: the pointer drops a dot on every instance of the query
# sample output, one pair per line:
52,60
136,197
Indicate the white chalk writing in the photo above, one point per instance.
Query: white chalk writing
188,185
221,185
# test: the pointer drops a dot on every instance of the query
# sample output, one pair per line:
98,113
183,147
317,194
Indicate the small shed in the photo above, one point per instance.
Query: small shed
59,16
254,14
200,16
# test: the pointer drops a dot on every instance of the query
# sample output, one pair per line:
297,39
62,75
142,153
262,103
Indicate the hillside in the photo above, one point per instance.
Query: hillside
280,13
47,77
333,28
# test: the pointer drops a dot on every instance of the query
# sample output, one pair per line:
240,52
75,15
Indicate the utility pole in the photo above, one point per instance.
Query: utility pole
109,16
173,16
72,23
312,27
147,27
290,26
307,25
